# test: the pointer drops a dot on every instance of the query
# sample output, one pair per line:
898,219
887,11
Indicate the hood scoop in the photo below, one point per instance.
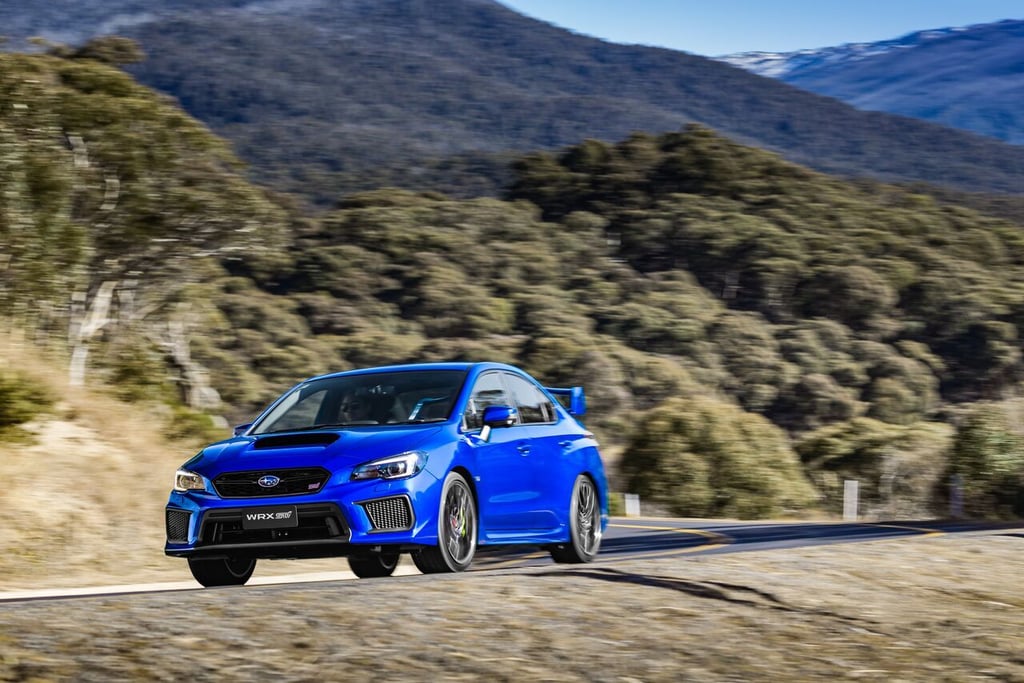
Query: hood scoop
295,440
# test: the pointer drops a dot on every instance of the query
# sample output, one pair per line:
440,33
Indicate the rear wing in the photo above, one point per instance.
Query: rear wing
572,398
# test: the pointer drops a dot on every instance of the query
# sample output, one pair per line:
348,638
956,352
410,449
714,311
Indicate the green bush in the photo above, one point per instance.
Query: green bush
704,457
988,458
194,426
21,399
897,467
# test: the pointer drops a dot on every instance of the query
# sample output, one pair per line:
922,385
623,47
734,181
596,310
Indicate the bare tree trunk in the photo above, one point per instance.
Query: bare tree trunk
196,390
87,319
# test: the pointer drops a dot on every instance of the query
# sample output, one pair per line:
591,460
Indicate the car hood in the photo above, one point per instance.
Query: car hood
333,450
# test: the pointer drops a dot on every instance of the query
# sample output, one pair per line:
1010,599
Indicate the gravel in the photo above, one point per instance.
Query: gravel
944,608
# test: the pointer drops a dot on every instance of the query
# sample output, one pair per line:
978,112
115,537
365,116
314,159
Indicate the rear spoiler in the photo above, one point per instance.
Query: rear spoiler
571,397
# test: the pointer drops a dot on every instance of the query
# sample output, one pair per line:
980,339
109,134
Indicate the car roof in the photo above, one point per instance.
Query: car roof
411,367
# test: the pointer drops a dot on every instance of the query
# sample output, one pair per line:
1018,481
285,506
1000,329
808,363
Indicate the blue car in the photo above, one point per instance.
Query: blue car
426,459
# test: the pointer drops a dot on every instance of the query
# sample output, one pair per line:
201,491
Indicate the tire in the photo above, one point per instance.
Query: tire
374,565
232,571
584,525
456,530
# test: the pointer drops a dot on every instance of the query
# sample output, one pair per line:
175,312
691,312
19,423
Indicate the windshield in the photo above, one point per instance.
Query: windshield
367,399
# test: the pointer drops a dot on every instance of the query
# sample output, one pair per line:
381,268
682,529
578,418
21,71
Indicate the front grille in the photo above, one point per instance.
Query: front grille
293,482
177,525
316,522
389,514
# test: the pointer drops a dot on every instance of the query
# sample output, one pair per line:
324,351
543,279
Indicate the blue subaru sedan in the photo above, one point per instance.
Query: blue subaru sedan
426,459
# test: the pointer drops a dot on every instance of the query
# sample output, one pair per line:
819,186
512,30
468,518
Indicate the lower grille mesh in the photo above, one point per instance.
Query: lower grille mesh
316,522
177,525
389,514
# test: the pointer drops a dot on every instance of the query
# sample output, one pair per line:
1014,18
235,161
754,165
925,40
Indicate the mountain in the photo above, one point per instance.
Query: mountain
970,78
327,97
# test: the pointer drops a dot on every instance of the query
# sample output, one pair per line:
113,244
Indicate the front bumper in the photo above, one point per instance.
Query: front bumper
331,523
320,530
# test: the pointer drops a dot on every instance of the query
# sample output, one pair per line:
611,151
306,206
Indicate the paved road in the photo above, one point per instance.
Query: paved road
626,539
629,538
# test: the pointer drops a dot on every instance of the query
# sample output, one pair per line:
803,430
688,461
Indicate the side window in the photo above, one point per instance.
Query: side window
488,391
533,405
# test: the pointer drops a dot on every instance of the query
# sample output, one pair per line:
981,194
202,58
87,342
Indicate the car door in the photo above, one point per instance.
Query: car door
504,482
539,440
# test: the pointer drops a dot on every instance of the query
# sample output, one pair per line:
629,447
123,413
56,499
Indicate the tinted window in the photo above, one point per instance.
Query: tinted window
533,405
488,391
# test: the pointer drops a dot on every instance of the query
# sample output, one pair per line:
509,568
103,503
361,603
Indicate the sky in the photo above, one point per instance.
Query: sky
718,27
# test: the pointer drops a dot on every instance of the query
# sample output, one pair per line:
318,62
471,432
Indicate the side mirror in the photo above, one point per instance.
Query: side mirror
497,417
242,429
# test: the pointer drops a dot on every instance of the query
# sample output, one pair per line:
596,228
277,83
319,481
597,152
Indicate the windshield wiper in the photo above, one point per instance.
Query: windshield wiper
325,425
351,423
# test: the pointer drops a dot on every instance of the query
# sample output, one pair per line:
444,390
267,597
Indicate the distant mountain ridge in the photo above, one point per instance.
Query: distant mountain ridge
781,64
327,97
970,77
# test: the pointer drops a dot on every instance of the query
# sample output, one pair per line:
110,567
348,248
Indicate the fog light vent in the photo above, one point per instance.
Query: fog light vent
177,525
389,514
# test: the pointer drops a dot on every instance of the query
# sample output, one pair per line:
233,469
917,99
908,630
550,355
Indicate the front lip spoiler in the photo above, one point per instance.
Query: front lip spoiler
270,550
294,550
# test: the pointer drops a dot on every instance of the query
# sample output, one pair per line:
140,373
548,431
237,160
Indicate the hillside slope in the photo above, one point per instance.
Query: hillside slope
826,329
325,98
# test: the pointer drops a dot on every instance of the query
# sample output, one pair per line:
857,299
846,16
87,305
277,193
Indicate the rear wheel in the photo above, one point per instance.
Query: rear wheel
232,571
373,566
456,530
584,525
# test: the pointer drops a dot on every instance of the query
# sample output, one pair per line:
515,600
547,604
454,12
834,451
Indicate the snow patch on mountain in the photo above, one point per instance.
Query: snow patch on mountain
779,64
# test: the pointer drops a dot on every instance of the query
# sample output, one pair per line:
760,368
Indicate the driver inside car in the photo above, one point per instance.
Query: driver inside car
354,409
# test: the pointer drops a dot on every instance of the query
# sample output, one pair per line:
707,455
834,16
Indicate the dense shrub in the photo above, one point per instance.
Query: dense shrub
22,398
897,467
706,457
988,460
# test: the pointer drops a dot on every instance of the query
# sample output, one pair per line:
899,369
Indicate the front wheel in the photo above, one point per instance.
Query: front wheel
584,525
373,566
231,571
456,530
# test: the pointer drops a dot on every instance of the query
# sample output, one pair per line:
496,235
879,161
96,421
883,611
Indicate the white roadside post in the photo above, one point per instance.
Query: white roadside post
850,500
632,503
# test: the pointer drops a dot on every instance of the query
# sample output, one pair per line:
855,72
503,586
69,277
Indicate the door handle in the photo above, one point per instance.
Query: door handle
565,444
523,448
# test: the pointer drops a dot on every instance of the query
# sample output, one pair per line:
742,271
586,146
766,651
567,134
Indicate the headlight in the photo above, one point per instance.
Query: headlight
189,481
395,467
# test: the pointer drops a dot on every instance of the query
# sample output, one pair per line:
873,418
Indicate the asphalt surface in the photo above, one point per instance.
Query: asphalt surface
632,538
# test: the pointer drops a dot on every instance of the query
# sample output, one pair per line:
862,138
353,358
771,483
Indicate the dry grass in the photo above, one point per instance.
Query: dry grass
83,499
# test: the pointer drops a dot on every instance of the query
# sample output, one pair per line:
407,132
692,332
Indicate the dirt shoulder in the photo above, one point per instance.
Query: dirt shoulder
945,608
